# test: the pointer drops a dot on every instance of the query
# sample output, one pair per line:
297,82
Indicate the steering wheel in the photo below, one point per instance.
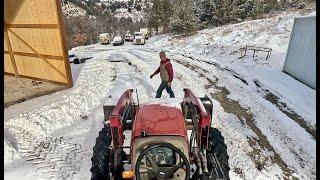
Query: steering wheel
162,173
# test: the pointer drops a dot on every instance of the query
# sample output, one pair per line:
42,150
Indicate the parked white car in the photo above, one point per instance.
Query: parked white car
117,40
128,37
139,38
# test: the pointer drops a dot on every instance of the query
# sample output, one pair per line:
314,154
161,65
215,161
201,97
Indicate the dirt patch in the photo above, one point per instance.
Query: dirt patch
236,75
17,90
226,32
244,115
239,172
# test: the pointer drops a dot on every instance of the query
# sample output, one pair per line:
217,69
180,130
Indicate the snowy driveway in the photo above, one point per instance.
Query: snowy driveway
54,140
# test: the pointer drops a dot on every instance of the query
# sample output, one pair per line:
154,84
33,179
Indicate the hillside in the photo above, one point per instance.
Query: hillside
267,118
71,10
85,20
118,9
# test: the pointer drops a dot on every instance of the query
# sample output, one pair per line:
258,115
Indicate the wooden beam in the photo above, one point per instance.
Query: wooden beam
39,55
63,38
40,26
39,79
35,55
13,62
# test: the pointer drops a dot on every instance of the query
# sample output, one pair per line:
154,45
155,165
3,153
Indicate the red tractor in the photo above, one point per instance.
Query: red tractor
160,146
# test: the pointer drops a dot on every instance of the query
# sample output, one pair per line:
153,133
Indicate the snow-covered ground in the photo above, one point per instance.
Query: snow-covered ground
221,45
266,124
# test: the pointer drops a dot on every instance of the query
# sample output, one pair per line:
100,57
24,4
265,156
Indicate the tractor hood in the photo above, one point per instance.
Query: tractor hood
159,120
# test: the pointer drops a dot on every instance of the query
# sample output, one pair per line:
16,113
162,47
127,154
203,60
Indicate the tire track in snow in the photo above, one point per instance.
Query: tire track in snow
235,156
269,96
32,131
190,82
128,76
124,62
300,156
246,117
297,155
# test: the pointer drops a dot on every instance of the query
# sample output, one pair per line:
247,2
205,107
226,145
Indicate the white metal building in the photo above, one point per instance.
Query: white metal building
300,62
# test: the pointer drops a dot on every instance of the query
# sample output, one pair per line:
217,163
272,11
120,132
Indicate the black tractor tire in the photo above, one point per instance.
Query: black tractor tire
100,168
218,148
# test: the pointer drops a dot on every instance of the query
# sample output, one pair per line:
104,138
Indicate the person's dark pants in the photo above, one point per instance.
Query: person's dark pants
164,85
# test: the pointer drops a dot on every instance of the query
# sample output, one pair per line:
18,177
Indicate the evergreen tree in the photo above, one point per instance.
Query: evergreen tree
184,18
167,13
198,9
300,4
284,4
241,9
214,11
138,7
257,10
225,12
206,10
270,5
130,3
156,15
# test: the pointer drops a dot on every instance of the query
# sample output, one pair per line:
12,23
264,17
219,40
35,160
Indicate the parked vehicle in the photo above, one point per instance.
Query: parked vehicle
139,38
117,40
128,37
105,38
146,32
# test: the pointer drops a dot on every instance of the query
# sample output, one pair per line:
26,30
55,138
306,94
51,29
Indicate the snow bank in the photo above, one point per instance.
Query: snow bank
10,153
295,93
94,81
314,13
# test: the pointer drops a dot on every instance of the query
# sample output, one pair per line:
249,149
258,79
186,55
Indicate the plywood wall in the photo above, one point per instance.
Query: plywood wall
35,41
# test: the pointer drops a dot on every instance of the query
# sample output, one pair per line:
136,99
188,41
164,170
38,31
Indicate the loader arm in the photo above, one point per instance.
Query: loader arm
200,117
123,111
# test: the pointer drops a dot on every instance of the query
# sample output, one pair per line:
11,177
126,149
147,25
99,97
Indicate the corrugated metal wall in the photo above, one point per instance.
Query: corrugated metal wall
300,60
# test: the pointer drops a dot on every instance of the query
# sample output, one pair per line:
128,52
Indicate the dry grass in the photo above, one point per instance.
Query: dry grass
225,32
17,90
185,35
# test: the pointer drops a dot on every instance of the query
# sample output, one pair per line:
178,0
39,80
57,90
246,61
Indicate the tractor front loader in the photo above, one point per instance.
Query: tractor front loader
166,142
